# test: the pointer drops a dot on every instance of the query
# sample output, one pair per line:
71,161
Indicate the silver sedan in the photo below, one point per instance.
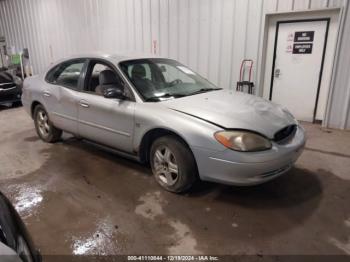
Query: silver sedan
158,111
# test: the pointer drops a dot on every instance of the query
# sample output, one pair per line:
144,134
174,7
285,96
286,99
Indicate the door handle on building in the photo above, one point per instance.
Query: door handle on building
277,72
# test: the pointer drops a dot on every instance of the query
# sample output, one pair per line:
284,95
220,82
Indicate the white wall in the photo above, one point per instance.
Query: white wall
211,36
339,102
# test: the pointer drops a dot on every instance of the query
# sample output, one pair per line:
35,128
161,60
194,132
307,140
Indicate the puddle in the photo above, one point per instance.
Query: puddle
185,243
19,158
98,243
182,238
151,206
26,199
345,246
347,222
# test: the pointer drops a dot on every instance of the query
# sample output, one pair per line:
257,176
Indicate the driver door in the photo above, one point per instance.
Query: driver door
107,121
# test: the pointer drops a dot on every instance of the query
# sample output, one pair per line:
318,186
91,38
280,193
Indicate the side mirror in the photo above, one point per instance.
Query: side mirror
114,92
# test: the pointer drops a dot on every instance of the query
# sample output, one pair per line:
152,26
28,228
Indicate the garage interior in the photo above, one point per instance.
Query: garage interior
79,199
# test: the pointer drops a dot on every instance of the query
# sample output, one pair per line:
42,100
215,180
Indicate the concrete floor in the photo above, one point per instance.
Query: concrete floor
78,199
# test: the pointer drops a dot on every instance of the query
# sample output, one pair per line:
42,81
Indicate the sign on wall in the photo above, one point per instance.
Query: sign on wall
301,43
302,48
307,36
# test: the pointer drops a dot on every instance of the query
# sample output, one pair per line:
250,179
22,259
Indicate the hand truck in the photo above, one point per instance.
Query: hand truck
241,84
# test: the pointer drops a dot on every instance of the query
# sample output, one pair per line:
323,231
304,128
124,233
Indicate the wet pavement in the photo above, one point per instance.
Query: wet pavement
76,198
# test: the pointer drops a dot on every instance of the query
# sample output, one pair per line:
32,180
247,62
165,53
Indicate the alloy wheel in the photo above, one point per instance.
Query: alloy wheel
165,166
43,123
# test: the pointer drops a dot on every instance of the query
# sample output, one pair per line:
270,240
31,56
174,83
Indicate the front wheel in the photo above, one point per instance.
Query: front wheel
44,128
173,164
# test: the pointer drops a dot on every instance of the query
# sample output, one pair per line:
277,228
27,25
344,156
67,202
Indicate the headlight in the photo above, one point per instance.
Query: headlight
17,80
244,141
286,111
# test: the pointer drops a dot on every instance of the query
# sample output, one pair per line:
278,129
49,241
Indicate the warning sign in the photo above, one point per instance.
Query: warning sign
302,48
306,36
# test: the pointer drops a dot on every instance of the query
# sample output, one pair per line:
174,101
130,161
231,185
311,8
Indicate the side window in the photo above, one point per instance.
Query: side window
102,76
66,74
94,80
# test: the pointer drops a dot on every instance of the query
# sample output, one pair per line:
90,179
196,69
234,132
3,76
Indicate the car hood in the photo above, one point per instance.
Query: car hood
230,109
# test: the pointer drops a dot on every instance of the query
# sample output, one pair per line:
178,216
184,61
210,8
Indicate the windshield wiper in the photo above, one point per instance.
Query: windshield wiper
177,95
157,98
204,90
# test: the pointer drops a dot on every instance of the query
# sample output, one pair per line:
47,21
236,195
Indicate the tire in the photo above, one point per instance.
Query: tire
166,154
44,128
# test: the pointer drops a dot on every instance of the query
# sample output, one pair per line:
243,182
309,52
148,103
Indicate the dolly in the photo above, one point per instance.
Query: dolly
246,83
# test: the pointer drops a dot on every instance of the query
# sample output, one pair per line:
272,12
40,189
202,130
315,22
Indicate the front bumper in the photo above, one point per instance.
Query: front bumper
10,95
249,168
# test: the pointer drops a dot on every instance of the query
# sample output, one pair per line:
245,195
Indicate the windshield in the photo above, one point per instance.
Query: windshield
159,79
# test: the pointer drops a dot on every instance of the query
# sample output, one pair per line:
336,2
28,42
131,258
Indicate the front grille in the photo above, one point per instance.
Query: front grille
285,133
5,86
10,97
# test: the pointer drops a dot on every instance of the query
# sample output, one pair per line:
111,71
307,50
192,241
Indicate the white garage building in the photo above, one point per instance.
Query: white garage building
300,48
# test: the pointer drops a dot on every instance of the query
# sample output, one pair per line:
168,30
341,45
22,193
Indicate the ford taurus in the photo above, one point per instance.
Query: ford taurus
158,111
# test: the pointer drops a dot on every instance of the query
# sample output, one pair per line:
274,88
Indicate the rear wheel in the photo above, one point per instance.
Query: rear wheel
173,164
44,128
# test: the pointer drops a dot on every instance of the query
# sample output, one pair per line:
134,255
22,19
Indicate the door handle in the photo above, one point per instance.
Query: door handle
84,104
277,72
47,93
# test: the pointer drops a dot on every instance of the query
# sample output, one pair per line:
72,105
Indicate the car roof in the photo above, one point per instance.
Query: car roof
116,58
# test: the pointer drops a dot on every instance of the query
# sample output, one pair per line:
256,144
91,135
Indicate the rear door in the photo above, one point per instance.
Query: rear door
61,94
105,120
